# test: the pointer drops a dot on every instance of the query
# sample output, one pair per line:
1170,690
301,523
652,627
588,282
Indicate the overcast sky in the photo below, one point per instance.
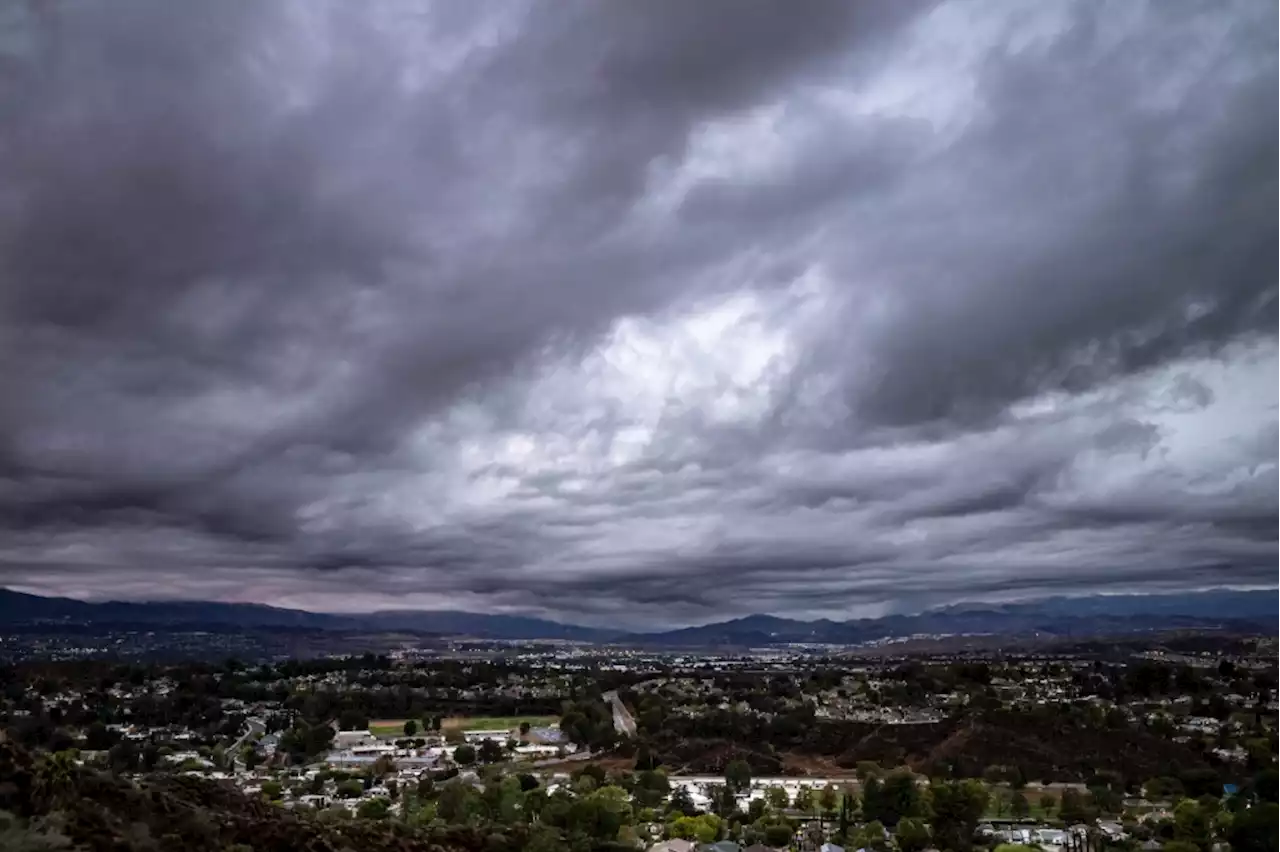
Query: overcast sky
637,313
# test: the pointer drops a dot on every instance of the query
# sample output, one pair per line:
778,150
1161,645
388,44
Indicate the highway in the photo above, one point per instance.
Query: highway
622,721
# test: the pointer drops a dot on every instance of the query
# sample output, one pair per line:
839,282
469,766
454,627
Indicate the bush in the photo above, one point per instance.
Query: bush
373,809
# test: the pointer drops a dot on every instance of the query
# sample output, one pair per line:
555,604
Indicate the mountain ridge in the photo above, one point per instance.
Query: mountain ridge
1218,608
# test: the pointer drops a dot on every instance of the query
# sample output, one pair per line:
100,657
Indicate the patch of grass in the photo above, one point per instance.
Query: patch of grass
391,728
395,727
494,723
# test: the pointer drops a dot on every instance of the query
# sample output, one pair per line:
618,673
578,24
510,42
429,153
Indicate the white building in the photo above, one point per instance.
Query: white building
351,739
500,736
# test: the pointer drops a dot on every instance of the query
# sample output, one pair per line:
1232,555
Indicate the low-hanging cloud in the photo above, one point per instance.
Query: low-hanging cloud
642,314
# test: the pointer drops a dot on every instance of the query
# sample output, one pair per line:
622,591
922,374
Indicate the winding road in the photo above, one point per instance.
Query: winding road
255,727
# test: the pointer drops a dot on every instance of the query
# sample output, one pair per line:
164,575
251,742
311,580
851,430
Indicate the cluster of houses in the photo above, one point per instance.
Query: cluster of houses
355,749
701,787
722,846
1046,838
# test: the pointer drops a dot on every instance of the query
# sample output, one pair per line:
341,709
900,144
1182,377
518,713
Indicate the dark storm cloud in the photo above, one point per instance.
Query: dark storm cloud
637,311
1121,233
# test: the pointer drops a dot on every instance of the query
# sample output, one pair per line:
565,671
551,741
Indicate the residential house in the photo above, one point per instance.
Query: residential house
676,845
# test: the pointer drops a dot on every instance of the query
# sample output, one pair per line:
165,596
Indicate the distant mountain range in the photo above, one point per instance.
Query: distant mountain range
18,609
1060,616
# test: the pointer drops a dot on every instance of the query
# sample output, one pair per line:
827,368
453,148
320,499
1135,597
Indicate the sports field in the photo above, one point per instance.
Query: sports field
395,727
494,723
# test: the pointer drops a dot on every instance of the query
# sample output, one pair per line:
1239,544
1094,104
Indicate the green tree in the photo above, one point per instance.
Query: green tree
272,789
682,827
872,797
704,828
1163,788
828,798
410,728
722,799
1266,784
681,802
1074,808
464,755
490,752
644,758
1255,829
1048,803
334,813
455,801
1019,806
957,807
804,799
779,834
708,829
651,788
848,805
891,800
1107,799
1192,824
868,769
737,776
545,838
777,797
611,811
871,836
375,808
54,779
912,835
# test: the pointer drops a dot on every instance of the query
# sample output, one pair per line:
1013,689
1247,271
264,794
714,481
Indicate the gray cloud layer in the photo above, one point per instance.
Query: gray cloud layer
637,313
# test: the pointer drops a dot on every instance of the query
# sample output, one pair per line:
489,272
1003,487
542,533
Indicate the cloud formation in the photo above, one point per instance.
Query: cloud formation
637,314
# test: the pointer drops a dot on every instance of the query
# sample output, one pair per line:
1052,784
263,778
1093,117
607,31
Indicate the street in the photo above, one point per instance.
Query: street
622,721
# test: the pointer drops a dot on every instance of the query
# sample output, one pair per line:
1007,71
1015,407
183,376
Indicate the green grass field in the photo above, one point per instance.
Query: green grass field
391,728
493,723
395,727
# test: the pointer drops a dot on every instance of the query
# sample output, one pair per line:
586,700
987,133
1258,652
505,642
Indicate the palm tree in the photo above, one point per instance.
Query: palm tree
53,780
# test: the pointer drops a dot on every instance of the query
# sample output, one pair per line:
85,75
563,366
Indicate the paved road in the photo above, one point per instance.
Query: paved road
255,727
622,721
